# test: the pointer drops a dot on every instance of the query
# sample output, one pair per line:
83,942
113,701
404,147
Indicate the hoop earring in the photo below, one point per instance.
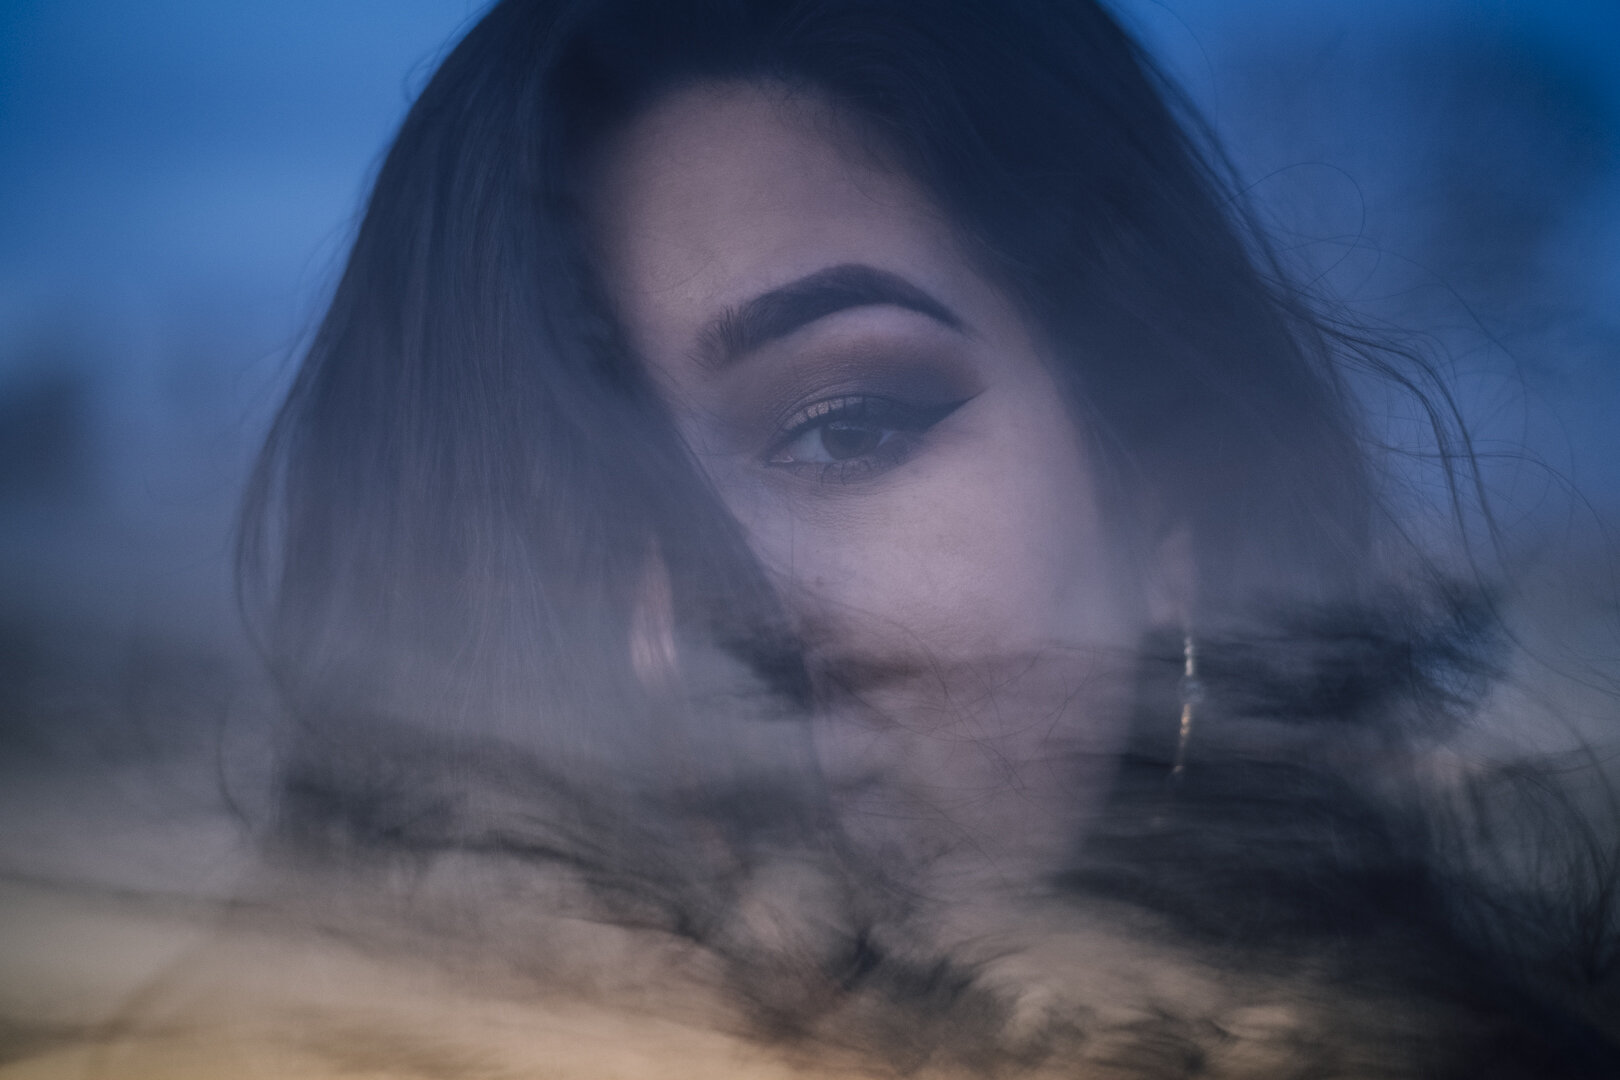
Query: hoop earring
1192,694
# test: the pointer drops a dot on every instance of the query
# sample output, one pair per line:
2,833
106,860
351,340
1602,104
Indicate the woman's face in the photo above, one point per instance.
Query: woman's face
878,416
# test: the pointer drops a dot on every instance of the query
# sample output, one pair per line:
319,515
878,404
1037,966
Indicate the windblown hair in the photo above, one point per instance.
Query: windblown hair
472,462
452,519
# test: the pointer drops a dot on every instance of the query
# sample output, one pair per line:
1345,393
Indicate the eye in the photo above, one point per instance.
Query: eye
837,430
855,435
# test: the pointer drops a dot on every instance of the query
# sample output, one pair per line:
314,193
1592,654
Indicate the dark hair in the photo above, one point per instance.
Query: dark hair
457,504
471,463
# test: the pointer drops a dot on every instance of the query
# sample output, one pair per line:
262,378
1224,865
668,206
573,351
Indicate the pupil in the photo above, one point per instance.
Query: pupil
844,440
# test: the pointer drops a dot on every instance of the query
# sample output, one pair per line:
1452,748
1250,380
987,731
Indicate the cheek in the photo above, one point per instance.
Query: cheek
965,619
988,545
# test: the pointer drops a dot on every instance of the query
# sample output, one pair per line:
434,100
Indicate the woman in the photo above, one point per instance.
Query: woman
528,402
749,544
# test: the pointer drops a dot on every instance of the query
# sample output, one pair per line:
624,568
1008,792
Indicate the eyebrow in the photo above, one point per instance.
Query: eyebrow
775,314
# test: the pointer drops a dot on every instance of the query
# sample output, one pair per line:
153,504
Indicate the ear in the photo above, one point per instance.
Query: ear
652,624
1172,579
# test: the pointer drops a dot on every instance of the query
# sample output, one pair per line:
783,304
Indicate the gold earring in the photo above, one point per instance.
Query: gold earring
1192,693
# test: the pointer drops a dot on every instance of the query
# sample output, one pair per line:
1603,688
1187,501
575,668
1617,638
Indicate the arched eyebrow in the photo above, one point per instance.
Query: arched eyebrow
738,331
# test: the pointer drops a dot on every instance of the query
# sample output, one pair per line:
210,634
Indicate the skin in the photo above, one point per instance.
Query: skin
963,603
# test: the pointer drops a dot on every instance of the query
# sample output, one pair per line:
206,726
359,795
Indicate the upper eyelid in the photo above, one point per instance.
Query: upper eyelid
844,404
820,410
856,340
914,374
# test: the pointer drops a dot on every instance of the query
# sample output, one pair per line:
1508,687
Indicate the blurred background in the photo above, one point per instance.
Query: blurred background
179,180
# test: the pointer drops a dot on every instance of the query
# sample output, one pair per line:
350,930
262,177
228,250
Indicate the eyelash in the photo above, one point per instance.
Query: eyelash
901,426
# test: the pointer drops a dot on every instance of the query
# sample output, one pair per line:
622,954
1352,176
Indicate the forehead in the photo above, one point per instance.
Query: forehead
724,191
